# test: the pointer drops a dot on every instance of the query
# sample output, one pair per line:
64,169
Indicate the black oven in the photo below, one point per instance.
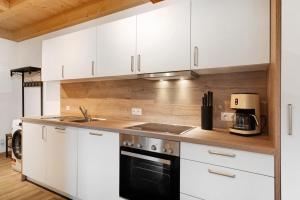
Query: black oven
149,169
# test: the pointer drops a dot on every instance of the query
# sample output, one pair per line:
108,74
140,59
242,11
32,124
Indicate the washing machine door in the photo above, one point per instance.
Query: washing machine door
17,144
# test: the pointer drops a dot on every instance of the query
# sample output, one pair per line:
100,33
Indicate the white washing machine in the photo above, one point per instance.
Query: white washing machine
17,145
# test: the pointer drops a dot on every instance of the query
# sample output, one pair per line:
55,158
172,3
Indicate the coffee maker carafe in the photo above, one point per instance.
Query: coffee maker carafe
246,120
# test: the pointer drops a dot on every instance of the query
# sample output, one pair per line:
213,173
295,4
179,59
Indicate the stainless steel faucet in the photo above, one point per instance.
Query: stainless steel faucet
84,112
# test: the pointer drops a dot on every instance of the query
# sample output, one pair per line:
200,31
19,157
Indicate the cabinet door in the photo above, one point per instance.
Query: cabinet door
98,165
34,151
218,183
79,54
61,148
52,65
290,100
230,33
163,38
116,51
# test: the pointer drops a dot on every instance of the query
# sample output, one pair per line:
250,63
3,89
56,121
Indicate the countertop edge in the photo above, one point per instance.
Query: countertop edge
266,149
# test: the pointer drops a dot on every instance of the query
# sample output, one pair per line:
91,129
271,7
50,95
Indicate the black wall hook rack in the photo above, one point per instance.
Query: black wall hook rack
22,72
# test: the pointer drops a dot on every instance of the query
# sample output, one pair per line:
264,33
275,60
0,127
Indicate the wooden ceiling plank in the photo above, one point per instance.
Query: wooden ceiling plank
5,34
14,3
156,1
75,16
4,5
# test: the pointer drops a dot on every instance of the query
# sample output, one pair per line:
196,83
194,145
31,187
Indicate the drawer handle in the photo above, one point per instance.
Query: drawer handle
96,134
290,119
221,173
231,155
60,128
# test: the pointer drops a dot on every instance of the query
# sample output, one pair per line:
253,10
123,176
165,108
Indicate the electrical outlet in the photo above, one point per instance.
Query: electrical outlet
68,108
2,142
136,111
227,117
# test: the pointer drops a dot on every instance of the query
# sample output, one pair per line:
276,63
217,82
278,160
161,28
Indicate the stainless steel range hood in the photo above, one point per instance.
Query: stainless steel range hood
170,75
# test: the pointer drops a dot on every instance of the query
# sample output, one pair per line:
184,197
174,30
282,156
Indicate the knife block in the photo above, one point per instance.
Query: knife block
207,117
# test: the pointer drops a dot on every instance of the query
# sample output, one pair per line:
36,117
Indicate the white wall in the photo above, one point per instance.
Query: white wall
9,105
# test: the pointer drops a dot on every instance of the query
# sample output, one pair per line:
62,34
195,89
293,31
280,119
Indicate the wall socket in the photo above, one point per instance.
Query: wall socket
2,142
227,117
68,108
136,111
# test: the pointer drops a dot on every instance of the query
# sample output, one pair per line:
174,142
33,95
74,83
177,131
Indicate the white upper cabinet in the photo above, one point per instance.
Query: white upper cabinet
290,100
117,47
70,56
80,54
229,33
163,38
52,59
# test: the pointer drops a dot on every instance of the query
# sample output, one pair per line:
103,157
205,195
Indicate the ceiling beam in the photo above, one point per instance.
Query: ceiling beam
75,16
4,5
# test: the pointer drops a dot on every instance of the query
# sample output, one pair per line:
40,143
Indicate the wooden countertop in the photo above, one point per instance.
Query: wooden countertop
220,138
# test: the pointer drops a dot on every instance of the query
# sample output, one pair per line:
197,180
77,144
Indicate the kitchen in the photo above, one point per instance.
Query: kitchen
139,99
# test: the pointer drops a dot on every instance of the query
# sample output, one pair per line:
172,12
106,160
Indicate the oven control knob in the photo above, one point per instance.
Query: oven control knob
170,151
130,144
153,148
139,146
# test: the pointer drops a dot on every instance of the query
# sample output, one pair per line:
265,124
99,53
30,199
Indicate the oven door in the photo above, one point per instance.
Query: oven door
147,176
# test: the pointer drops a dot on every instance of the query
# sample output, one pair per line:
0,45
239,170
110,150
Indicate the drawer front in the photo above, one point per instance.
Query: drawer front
210,182
242,160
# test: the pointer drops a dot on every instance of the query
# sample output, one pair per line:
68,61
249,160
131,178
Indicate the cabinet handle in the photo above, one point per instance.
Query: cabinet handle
132,63
93,68
43,127
43,133
96,134
196,56
232,155
290,119
139,62
211,171
60,128
63,71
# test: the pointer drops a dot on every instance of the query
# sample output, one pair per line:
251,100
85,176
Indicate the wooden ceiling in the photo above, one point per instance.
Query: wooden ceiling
24,19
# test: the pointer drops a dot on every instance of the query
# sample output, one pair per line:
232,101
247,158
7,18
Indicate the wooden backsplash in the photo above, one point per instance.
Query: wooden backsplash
162,101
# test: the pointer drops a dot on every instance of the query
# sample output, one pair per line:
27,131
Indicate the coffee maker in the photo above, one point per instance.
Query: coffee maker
246,120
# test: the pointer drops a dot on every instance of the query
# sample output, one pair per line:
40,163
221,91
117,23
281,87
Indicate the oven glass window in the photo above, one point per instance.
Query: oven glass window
143,179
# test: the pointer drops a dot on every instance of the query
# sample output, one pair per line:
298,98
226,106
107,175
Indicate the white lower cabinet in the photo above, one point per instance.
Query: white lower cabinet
61,154
212,182
50,156
33,155
98,165
214,173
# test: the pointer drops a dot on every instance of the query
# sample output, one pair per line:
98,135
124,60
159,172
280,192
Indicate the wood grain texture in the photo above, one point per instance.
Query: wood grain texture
165,102
274,93
24,19
4,5
11,186
217,137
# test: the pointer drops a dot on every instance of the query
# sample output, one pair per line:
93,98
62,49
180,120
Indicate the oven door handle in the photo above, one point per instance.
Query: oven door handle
144,157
